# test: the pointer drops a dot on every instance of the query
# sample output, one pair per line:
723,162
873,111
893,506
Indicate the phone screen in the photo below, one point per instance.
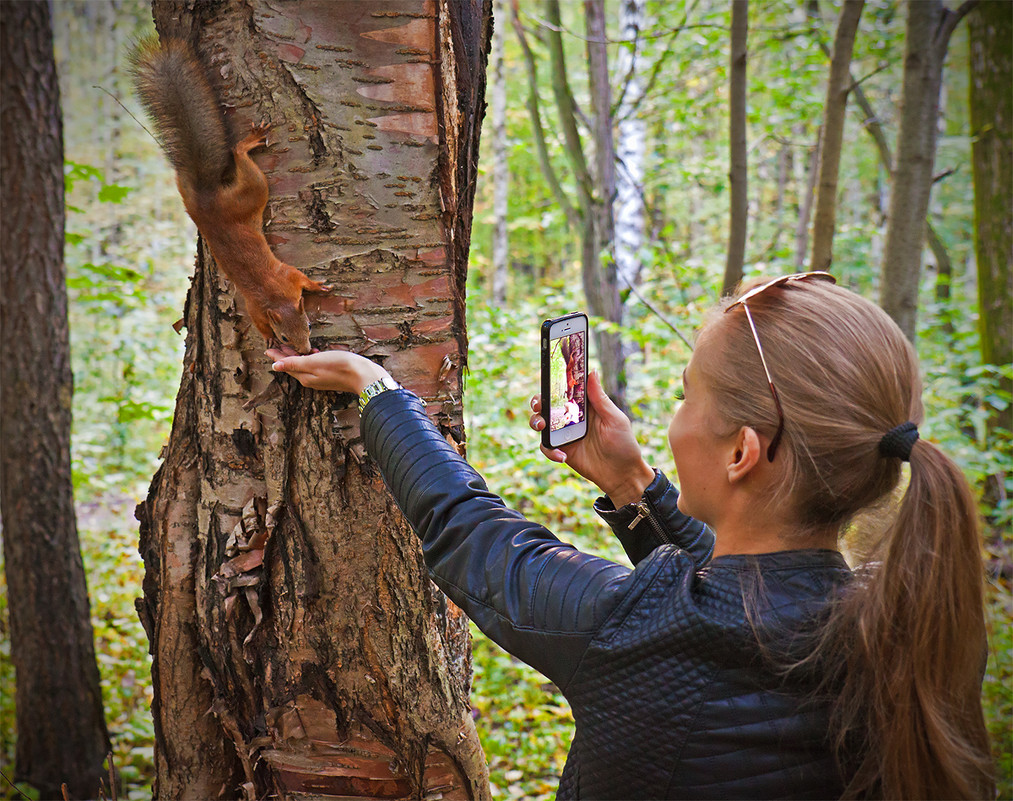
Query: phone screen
568,386
564,379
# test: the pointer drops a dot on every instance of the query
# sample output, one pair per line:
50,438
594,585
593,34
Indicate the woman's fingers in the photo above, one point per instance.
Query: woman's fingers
553,454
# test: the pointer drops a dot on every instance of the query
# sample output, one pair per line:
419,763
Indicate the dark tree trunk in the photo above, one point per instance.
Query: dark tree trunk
832,136
929,26
991,29
61,730
991,62
284,591
738,219
601,284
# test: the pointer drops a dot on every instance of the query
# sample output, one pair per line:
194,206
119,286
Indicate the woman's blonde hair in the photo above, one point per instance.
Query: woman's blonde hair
904,645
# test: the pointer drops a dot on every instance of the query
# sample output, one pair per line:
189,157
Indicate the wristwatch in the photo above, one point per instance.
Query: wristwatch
374,389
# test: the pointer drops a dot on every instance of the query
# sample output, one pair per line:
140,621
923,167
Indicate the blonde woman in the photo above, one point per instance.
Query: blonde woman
740,657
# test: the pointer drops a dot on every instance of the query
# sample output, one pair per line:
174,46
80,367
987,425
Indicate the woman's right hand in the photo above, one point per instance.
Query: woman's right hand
609,456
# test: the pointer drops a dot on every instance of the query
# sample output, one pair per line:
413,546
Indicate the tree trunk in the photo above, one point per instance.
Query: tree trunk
991,31
806,200
832,138
738,219
929,25
500,160
61,730
601,284
631,145
299,648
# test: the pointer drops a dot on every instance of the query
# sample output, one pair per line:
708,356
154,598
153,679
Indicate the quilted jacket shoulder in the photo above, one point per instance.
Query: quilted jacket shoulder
672,692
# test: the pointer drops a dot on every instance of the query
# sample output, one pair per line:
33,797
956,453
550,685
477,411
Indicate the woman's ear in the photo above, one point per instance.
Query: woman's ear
745,455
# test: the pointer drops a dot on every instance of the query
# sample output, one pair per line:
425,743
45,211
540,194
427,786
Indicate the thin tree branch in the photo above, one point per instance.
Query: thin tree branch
950,21
943,174
654,309
788,143
885,65
558,28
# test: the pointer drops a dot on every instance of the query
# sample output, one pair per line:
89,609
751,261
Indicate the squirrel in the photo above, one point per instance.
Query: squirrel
223,190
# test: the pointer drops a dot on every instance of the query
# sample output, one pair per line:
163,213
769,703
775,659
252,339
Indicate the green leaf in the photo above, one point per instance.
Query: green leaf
113,193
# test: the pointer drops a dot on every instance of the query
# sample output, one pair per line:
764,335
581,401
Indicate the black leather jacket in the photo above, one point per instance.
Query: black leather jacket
672,695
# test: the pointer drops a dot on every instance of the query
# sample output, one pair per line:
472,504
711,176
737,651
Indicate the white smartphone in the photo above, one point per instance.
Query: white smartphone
564,379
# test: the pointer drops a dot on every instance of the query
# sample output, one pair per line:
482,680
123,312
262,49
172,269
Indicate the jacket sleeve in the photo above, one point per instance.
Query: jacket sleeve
656,520
540,599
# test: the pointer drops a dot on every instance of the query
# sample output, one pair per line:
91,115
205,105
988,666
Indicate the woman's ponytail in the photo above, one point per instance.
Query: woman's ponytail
915,646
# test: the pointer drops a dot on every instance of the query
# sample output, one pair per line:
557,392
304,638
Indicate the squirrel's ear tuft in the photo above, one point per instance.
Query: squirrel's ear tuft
301,306
273,316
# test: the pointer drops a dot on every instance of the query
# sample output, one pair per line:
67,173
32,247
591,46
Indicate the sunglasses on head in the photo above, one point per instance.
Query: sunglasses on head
744,303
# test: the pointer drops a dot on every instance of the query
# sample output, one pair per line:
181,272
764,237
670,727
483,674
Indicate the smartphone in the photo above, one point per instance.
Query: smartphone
564,379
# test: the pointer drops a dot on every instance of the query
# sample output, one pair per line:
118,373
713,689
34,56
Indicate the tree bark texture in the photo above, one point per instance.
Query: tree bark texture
929,25
738,218
299,648
838,89
991,31
61,730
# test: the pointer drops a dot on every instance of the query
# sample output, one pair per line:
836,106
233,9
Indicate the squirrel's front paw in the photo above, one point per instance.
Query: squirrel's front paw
256,137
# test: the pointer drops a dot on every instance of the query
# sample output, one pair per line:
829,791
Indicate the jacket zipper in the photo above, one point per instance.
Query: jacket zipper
644,511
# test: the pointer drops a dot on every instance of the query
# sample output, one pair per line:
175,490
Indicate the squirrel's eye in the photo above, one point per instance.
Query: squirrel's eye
284,338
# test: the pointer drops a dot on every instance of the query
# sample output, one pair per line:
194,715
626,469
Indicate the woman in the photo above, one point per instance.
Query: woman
740,657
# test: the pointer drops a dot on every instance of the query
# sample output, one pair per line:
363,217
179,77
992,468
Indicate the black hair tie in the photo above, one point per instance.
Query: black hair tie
898,441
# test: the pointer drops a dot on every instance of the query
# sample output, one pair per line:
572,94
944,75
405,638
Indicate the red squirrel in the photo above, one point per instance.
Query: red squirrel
223,190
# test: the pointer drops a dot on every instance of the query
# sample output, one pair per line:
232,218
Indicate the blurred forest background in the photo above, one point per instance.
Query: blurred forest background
130,247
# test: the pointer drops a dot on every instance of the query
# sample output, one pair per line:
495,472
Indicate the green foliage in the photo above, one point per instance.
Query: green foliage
114,568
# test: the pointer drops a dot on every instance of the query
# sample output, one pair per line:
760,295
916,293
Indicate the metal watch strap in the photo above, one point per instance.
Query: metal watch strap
374,389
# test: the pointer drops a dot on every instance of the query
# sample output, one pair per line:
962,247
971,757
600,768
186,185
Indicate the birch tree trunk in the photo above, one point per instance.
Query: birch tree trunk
929,25
61,729
299,648
738,218
631,144
832,137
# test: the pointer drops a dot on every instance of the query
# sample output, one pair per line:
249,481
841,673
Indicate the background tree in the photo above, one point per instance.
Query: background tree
991,27
631,145
62,735
832,134
738,218
500,155
284,591
929,27
594,186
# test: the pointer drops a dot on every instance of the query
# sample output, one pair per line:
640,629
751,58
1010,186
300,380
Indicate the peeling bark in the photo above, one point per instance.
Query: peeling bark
285,593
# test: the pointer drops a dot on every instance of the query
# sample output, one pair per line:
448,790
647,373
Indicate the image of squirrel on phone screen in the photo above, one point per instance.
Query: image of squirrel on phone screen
566,402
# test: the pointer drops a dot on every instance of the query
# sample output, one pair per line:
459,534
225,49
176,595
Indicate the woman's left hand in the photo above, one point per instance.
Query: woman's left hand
335,370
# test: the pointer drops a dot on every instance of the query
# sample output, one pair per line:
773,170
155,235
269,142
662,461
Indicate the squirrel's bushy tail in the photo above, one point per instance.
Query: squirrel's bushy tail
185,110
